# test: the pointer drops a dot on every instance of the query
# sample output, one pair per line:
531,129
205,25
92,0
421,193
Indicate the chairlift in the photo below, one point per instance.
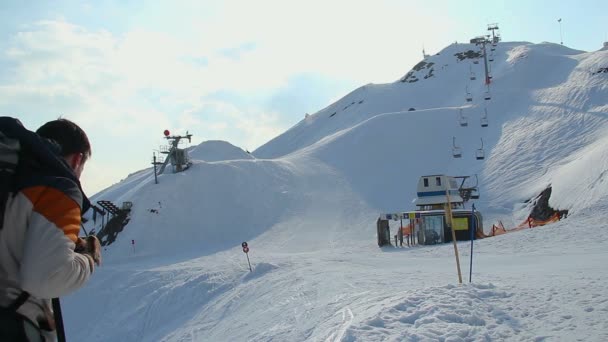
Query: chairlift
480,154
462,120
474,194
475,62
470,191
471,74
468,96
491,59
456,151
484,118
487,96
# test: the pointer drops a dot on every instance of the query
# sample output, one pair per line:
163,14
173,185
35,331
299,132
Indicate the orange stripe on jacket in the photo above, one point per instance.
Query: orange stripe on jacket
56,207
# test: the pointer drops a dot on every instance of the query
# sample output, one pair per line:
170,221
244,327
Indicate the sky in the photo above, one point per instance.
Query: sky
238,71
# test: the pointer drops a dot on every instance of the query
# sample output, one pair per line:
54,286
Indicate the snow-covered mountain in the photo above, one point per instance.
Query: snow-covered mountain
307,202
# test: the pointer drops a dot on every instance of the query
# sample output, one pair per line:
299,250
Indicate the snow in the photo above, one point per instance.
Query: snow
216,150
308,201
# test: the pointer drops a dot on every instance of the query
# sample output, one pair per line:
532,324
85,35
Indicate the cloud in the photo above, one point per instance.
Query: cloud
237,52
245,73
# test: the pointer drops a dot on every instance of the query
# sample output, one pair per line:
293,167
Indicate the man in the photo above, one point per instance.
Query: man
400,235
41,255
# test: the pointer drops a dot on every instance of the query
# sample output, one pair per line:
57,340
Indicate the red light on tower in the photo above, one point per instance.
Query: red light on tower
166,132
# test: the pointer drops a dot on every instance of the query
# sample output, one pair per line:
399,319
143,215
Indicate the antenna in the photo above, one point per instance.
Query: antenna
561,38
424,55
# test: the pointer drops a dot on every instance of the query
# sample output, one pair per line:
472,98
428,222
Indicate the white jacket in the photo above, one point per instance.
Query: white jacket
41,225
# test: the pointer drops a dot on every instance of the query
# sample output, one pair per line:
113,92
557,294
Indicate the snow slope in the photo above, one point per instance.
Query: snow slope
308,202
216,150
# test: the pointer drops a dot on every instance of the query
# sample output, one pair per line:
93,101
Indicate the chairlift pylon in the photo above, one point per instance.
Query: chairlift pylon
484,118
462,120
456,151
480,154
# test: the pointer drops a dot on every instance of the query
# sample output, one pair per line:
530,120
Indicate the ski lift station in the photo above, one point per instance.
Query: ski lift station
440,206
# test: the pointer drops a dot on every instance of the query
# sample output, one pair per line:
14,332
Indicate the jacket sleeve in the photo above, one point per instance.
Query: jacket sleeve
50,268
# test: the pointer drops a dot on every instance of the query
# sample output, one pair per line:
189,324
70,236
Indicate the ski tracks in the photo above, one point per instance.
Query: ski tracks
347,319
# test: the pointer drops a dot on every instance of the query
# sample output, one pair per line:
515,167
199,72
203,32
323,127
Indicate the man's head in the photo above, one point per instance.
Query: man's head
74,143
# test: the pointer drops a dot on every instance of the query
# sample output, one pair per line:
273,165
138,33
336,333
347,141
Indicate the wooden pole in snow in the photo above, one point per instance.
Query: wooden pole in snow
450,220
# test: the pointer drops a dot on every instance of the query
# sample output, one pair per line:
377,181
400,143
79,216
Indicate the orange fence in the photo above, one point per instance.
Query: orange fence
528,223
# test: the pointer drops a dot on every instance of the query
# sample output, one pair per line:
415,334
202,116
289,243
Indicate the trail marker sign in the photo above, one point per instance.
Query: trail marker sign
246,251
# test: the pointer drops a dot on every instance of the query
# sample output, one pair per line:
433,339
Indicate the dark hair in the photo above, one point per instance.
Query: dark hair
70,137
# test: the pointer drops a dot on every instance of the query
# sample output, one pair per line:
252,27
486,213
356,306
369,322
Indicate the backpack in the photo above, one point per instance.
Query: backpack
24,154
9,158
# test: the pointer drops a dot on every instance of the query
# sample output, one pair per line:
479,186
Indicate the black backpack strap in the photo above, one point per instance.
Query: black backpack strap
21,299
4,193
60,330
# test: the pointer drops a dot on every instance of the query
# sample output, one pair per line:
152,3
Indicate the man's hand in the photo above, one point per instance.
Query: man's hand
91,247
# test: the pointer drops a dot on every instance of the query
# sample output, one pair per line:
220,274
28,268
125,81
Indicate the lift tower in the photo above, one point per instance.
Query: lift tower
495,36
177,156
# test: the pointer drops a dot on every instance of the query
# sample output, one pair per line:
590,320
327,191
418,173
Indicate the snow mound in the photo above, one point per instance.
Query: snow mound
447,313
217,150
260,270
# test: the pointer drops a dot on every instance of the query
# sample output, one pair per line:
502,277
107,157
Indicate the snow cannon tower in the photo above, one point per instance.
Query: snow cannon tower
177,156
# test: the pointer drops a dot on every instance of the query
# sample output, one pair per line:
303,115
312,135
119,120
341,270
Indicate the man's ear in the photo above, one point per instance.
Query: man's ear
74,160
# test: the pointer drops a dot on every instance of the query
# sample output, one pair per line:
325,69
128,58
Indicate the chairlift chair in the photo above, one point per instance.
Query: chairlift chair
475,62
456,151
472,76
480,154
484,118
462,120
487,96
474,194
468,96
